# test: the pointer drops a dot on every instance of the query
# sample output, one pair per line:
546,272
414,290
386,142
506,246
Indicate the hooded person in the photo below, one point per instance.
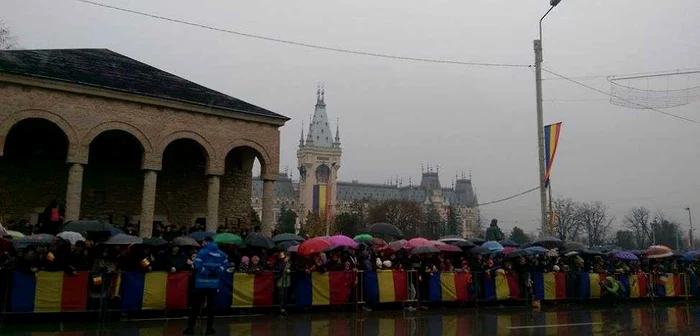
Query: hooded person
209,265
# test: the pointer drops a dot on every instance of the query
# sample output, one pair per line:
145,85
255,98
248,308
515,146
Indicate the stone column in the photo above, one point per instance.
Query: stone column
213,203
267,209
148,203
74,191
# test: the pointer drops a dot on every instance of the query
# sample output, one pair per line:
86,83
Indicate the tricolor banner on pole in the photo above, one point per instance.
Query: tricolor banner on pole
551,140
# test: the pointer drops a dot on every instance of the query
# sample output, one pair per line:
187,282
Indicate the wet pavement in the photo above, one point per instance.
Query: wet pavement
623,320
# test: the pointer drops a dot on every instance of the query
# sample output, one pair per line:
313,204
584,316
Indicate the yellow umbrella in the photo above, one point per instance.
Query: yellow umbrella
14,234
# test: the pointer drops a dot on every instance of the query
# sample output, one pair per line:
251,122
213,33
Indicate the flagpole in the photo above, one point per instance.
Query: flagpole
551,209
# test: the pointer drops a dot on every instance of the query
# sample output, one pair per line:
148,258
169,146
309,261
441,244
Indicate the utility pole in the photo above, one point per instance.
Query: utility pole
690,234
540,121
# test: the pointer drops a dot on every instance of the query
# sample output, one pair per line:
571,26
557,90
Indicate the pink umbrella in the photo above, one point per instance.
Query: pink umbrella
416,242
394,246
509,249
437,242
448,248
342,241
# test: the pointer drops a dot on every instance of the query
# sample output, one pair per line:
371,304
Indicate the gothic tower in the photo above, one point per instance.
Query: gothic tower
318,162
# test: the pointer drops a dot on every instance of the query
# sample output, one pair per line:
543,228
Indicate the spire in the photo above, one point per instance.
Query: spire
310,135
337,132
319,128
301,138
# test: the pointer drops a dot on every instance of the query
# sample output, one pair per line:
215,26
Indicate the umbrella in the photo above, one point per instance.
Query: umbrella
508,243
437,242
293,249
200,235
342,241
573,246
480,250
462,244
228,238
692,255
416,242
548,242
363,238
385,229
450,237
537,250
313,245
287,237
378,242
448,248
477,241
624,255
425,250
285,245
592,252
72,237
37,239
493,246
509,249
519,253
184,241
257,239
396,245
15,234
154,242
5,245
658,251
86,226
123,239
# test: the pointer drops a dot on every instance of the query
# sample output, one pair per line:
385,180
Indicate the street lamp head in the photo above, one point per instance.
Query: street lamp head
688,209
553,3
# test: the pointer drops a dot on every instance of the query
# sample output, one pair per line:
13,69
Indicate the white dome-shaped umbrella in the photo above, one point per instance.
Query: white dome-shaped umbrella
72,237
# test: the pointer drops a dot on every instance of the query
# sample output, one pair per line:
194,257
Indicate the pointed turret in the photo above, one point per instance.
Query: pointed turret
336,143
301,138
319,129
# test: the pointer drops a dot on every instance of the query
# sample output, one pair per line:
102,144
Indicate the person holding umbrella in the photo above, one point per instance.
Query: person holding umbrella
208,266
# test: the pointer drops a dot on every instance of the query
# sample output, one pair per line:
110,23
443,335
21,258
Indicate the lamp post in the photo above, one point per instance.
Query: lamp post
690,234
540,121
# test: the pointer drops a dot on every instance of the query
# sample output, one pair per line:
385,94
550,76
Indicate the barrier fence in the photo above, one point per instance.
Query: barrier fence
57,292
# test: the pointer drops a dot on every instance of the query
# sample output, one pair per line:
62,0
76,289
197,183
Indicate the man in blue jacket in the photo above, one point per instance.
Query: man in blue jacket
208,266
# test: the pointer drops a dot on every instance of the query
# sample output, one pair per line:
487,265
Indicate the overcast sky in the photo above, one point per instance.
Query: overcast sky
395,115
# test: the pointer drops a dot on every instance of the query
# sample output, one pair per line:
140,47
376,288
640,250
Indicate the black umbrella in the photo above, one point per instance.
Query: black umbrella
385,229
518,254
461,243
573,246
424,250
257,239
123,239
37,239
154,241
508,243
548,242
283,246
477,241
184,241
282,237
86,226
480,250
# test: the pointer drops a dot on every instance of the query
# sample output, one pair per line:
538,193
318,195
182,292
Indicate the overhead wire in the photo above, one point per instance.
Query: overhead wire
307,45
620,98
509,197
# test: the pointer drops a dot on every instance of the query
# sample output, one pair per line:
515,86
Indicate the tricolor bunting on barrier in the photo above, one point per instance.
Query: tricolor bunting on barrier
669,285
549,286
243,290
48,292
386,286
501,286
322,289
449,286
635,285
154,290
589,285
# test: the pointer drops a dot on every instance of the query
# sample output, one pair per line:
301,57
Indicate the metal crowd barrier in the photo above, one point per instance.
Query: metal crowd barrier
126,292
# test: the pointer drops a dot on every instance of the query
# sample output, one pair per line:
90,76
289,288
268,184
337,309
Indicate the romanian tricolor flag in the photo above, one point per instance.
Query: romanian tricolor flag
669,285
386,286
549,286
321,197
501,287
241,290
449,286
322,289
635,285
48,292
551,141
154,290
589,285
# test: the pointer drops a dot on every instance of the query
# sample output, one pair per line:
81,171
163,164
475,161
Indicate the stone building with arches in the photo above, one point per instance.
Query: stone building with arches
115,139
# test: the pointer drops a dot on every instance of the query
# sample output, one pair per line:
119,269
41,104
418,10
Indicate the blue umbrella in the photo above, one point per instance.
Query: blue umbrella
493,246
624,255
537,249
200,235
692,255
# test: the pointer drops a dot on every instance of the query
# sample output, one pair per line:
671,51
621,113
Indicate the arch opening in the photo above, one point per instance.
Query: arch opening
240,197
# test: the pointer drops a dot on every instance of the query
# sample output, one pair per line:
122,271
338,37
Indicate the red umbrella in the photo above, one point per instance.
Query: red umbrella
448,248
395,245
416,242
658,251
313,245
437,242
378,242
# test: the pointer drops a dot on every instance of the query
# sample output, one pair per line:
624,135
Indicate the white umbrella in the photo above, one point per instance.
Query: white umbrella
71,236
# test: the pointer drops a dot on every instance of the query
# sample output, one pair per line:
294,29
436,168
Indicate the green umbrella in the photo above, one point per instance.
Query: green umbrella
363,238
228,238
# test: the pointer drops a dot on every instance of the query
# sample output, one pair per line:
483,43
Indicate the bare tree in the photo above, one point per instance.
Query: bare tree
7,41
638,221
595,222
568,224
